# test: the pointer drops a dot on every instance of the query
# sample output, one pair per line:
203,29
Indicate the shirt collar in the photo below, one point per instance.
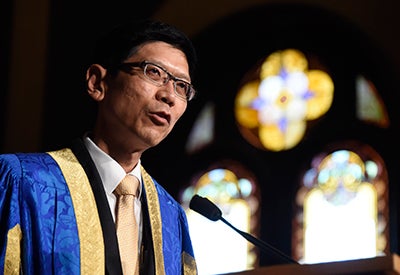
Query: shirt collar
111,173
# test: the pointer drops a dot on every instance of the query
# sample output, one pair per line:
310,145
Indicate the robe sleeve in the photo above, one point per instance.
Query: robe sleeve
10,229
38,232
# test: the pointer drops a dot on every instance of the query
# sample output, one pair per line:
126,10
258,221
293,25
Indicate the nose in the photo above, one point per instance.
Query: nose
166,93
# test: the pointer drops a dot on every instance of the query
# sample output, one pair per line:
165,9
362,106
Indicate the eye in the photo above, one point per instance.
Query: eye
181,85
181,88
153,72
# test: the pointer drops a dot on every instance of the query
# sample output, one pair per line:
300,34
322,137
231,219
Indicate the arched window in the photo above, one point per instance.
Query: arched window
342,205
370,107
218,248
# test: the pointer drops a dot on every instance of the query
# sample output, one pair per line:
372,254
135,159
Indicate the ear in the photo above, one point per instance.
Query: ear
95,81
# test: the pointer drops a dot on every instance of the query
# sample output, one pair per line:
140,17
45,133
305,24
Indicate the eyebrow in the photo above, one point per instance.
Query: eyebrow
180,76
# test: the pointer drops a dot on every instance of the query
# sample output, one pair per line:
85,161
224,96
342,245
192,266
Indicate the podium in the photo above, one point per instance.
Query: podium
387,265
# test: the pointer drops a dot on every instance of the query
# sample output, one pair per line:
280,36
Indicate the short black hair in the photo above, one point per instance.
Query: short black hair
123,41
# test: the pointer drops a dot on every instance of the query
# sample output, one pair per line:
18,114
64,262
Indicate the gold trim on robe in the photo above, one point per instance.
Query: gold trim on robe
87,218
12,262
189,264
155,220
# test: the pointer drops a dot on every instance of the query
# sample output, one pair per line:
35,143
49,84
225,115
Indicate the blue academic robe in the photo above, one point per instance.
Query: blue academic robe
55,219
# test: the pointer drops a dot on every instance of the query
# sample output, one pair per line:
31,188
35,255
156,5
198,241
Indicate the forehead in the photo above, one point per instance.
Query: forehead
157,48
164,54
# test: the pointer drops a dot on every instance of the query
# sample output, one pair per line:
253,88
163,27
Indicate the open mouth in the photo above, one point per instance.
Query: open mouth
161,118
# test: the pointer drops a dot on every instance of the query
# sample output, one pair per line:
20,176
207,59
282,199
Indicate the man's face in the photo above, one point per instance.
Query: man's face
134,112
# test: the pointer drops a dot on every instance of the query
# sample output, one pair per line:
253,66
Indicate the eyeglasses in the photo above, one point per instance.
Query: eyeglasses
160,77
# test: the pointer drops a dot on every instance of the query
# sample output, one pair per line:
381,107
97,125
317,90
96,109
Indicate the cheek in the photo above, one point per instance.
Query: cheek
183,109
179,111
129,86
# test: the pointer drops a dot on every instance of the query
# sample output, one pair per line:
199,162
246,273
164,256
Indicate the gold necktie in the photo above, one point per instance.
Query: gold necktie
127,228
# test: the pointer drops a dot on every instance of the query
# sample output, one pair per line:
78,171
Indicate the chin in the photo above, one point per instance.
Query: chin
153,143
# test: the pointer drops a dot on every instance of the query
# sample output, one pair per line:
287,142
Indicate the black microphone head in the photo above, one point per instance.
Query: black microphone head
205,207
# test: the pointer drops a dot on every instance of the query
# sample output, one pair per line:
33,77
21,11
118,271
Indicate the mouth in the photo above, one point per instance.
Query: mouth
160,118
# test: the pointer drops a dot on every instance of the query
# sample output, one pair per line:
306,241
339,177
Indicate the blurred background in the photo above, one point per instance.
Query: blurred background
294,132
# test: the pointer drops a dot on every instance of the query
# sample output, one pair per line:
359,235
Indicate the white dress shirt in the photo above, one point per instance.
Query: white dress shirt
111,174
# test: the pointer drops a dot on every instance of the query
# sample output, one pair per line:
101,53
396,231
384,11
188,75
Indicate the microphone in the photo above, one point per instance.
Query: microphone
209,210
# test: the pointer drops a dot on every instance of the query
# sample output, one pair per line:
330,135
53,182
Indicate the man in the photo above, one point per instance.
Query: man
58,210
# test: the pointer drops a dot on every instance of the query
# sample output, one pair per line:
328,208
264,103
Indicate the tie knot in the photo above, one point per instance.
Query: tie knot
128,186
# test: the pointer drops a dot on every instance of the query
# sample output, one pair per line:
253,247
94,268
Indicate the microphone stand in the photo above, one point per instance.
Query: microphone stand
259,243
208,209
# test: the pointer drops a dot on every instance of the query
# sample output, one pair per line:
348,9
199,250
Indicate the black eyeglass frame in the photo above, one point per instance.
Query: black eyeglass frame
190,91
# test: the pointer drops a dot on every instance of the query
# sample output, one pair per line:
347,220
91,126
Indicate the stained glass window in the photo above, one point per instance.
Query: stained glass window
217,247
273,107
202,133
370,107
343,208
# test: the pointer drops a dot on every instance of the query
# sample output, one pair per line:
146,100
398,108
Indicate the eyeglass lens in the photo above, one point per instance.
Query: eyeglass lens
161,77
